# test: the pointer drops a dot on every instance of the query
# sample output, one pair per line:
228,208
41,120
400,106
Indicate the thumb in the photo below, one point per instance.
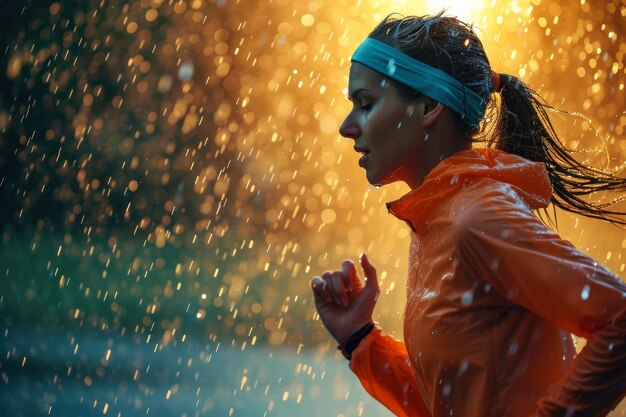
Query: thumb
369,271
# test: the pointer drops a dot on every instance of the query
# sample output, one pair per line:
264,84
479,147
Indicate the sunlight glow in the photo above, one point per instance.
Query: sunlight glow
466,10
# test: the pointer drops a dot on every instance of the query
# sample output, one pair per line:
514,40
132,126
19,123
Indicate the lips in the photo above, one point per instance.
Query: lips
364,153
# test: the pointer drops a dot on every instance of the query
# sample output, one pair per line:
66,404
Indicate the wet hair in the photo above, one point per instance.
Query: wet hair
519,118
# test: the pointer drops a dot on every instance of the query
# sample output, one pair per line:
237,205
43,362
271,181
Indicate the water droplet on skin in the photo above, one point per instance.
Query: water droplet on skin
383,83
369,188
611,345
426,137
399,125
585,292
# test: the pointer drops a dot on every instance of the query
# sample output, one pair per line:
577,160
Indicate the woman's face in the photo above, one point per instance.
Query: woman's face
387,130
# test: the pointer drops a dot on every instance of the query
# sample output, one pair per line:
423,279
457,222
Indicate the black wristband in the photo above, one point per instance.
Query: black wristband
351,343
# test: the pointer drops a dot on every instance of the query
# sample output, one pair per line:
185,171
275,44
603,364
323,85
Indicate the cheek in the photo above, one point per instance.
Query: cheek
385,124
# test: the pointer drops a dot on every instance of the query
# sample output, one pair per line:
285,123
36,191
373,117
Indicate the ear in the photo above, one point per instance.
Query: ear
432,109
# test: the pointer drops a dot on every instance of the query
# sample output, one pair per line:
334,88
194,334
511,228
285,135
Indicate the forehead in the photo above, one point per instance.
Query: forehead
364,77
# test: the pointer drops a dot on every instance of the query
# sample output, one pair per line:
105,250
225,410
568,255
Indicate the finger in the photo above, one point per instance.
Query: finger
318,284
320,290
338,288
326,290
369,271
349,274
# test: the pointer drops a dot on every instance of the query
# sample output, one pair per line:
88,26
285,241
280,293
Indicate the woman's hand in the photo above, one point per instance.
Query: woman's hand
343,301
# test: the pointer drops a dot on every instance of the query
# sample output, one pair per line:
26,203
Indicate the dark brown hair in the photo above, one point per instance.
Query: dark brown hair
521,124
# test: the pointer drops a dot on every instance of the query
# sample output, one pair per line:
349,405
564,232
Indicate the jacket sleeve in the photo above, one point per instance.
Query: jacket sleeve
529,264
382,365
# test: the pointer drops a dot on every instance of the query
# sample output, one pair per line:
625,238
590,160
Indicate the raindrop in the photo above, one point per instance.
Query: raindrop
426,137
185,72
178,198
164,84
391,66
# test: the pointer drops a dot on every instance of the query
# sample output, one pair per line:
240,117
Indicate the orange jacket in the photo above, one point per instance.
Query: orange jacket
492,297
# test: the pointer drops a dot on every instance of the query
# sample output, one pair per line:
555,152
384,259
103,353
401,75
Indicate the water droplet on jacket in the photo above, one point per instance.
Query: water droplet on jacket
463,366
585,292
495,264
467,298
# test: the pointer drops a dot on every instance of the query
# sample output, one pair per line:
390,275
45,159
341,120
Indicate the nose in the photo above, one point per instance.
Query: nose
350,128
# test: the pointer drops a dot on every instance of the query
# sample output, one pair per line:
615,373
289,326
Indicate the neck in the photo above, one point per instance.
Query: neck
444,141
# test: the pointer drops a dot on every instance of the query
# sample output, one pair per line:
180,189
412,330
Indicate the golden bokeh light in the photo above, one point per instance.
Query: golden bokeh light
174,170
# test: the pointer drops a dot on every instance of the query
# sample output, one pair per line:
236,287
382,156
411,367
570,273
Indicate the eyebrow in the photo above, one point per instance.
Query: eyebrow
356,92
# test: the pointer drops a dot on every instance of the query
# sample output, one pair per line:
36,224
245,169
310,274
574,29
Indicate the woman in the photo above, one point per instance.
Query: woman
492,293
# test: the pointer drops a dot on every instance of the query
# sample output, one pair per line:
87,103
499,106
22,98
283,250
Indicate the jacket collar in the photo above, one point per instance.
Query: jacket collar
462,168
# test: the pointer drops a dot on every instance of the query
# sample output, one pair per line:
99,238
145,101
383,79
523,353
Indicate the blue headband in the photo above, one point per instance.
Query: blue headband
429,81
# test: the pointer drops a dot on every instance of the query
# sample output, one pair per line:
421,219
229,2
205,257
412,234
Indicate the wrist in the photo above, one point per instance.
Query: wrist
350,344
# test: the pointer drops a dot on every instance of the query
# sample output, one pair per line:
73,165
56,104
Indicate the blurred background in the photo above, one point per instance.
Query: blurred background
171,177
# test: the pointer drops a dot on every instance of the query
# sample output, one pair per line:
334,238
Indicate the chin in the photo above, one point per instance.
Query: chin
376,181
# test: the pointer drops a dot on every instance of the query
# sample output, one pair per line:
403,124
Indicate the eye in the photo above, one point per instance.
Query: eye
366,107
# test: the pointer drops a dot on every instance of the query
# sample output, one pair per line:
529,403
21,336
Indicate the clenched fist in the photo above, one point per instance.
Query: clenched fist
344,302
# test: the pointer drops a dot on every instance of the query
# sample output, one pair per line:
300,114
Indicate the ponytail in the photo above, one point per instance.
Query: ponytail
526,130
